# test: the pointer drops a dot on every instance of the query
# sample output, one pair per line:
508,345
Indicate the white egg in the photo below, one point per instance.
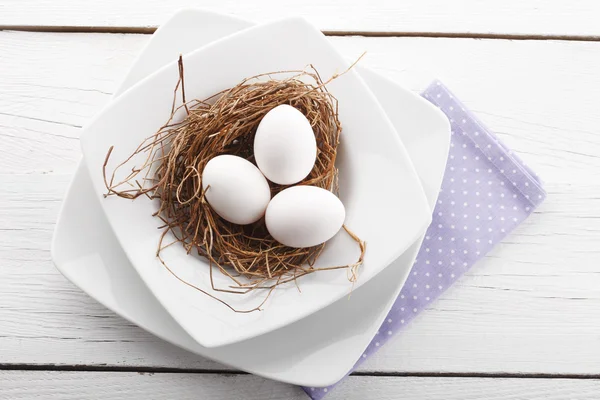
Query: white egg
237,190
285,147
304,216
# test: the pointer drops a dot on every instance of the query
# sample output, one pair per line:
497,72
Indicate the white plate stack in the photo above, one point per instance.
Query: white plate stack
313,342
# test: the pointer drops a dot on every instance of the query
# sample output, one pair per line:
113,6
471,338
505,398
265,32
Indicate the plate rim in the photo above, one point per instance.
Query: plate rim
221,332
66,271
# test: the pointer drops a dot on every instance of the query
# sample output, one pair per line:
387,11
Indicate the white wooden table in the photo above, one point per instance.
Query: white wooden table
523,324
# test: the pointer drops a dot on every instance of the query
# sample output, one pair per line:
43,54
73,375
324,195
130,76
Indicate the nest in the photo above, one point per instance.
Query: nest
226,123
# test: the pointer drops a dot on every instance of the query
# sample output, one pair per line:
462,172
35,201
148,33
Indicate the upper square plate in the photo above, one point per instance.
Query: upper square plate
384,200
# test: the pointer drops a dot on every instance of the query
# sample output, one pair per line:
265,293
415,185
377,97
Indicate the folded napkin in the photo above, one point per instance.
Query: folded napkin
486,192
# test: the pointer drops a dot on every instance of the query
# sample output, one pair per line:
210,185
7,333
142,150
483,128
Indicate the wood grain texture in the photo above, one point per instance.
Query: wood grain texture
544,108
104,385
532,306
513,17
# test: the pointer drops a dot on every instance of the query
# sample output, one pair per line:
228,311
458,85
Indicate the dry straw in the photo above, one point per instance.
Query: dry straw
175,156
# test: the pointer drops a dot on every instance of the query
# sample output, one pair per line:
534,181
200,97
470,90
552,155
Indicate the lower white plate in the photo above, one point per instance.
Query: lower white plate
86,251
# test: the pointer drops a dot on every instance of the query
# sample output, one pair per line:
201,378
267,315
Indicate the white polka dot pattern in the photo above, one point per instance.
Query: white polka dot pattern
486,192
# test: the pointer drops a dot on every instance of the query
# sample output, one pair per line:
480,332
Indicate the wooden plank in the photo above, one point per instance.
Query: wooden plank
512,17
532,306
528,296
545,108
102,385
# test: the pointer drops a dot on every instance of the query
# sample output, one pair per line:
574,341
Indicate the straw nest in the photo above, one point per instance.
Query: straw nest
225,123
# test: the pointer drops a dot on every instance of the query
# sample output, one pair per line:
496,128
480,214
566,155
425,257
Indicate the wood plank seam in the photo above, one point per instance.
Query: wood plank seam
198,371
424,34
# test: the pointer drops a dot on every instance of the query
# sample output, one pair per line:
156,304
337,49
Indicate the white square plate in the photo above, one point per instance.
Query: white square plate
87,253
375,208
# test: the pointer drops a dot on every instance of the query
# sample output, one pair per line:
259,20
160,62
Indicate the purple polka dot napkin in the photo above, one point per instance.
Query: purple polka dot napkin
486,192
